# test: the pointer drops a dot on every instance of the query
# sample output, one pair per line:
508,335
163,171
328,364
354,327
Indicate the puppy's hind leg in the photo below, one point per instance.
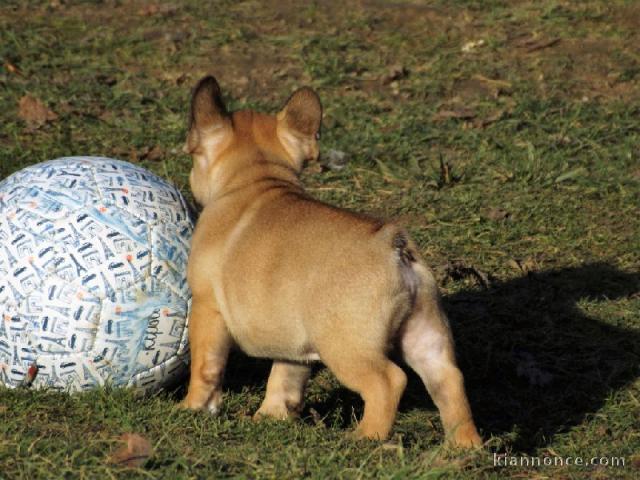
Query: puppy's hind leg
427,347
210,343
285,390
379,381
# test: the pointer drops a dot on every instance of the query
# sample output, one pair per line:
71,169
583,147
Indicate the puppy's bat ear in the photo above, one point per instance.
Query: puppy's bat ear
302,113
207,108
299,126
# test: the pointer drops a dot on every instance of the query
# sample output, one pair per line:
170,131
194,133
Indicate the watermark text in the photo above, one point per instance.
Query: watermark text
501,460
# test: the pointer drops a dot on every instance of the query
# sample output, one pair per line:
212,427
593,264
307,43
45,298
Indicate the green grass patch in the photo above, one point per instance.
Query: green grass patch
537,122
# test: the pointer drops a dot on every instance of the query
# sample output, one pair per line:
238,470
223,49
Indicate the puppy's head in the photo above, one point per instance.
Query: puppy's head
218,139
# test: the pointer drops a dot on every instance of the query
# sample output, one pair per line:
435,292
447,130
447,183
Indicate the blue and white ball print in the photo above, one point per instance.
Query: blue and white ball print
93,290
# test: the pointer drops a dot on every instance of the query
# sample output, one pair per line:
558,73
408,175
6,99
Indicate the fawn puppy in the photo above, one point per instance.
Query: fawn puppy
283,276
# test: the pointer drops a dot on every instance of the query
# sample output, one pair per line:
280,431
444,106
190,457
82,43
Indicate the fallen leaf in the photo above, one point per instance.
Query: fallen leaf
533,44
105,116
459,113
571,174
560,139
3,409
34,112
496,214
182,78
503,176
493,82
242,81
146,153
11,68
150,10
105,79
154,154
493,117
396,72
525,266
514,264
133,154
470,46
528,265
135,453
154,34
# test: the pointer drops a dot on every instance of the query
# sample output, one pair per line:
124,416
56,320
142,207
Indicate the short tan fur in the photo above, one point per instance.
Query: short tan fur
284,276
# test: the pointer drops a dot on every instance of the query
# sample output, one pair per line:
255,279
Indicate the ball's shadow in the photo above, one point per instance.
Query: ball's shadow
534,363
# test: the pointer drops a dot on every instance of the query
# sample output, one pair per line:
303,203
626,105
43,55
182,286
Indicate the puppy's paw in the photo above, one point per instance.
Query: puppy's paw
212,407
279,412
185,404
466,436
361,433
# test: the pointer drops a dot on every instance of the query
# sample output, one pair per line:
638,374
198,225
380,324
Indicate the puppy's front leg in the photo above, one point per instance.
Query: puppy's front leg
210,343
285,390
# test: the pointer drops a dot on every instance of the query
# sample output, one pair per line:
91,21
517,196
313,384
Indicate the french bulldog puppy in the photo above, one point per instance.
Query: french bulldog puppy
284,276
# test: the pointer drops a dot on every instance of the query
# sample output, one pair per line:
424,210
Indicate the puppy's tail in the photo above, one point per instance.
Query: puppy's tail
416,279
406,257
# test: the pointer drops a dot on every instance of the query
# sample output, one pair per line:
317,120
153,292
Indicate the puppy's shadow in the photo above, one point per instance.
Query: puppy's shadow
534,361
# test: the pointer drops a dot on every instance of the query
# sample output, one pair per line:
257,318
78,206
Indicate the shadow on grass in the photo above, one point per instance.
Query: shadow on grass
534,363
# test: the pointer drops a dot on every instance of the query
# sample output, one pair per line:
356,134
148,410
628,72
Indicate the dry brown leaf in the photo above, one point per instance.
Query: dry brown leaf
496,214
458,113
155,153
493,82
135,453
493,117
472,45
34,112
394,73
533,44
145,153
515,264
3,409
182,78
150,10
528,265
525,266
106,116
11,68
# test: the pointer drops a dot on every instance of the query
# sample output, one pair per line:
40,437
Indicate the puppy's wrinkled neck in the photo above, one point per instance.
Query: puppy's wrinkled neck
253,159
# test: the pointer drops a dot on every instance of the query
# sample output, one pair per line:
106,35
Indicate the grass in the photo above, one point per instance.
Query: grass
539,126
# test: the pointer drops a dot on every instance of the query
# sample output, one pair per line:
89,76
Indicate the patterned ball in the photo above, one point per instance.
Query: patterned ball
93,290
